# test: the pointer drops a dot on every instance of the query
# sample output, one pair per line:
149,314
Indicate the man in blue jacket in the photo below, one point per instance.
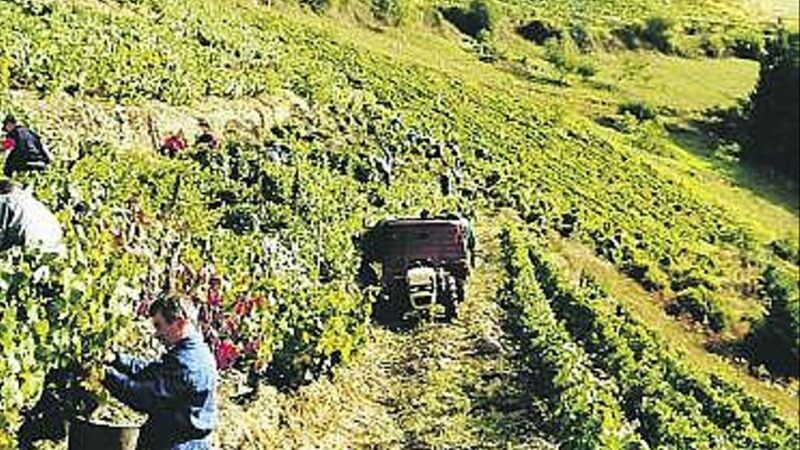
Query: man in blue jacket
178,392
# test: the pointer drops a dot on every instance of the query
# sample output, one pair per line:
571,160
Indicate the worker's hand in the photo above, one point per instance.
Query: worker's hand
109,357
111,378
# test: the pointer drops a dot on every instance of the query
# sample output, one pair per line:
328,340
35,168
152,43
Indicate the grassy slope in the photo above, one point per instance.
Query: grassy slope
684,89
788,9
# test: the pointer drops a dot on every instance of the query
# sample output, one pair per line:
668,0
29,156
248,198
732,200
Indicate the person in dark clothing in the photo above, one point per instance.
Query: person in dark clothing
469,233
174,144
26,149
206,136
178,392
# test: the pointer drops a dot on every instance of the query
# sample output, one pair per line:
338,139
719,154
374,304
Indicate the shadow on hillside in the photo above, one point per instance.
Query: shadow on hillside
521,72
504,406
464,20
700,138
507,400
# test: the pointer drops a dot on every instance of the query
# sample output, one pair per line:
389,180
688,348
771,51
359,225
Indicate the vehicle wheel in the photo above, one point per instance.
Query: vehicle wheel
452,298
461,287
386,309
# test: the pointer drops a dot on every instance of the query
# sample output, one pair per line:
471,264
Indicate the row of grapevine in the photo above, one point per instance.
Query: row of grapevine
583,402
676,406
688,29
707,10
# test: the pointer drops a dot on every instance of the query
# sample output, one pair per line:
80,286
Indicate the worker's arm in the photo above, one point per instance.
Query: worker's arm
147,396
11,164
129,365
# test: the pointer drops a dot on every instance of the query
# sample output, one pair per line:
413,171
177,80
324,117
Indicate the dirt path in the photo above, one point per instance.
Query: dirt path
436,386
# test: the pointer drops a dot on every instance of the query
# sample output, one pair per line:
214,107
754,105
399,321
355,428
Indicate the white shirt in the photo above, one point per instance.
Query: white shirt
26,221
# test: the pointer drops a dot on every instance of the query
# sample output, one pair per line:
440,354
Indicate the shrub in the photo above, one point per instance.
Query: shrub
658,32
655,32
775,340
539,32
390,12
629,36
480,16
485,14
703,306
642,111
586,68
748,44
318,6
713,46
582,37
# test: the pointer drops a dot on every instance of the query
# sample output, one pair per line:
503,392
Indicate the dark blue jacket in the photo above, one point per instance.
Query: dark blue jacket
177,392
28,152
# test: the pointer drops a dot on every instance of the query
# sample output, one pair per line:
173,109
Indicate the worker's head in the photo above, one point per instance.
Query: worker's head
173,317
9,123
204,124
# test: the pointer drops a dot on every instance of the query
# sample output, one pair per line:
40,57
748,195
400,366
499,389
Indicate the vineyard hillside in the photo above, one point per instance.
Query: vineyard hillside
636,284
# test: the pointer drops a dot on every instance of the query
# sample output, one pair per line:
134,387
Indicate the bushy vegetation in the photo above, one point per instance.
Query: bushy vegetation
318,6
775,340
640,110
480,16
658,32
683,28
774,139
702,305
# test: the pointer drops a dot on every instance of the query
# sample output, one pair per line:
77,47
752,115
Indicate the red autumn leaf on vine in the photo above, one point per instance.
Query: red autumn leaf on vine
230,326
226,354
8,144
251,348
242,308
214,299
